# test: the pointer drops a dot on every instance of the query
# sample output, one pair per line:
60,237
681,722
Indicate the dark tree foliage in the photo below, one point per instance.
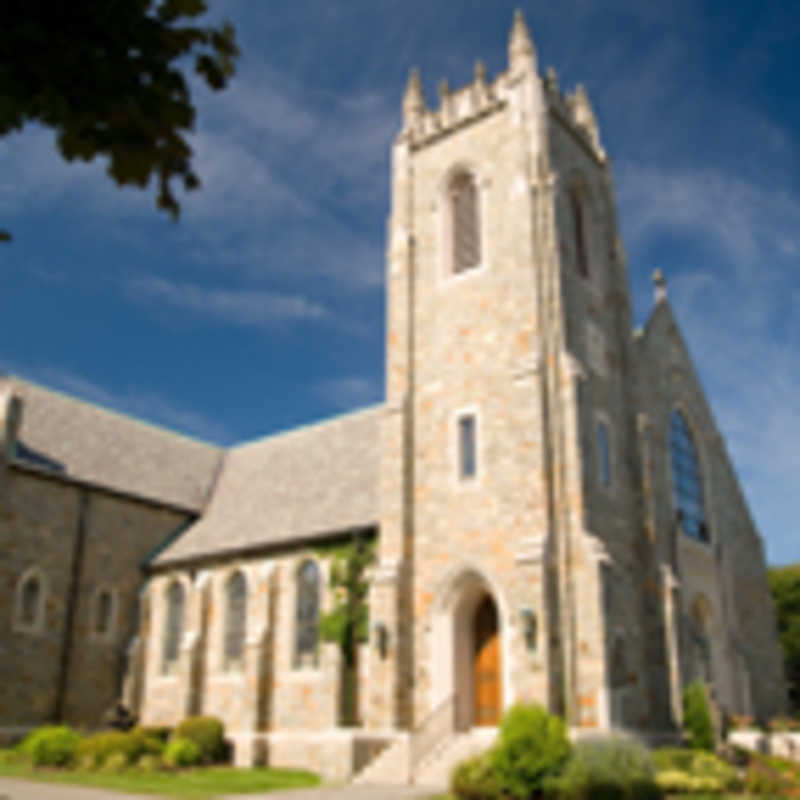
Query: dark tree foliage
785,585
108,77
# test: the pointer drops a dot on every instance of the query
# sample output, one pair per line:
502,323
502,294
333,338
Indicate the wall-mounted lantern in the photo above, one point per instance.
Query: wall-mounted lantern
530,628
381,633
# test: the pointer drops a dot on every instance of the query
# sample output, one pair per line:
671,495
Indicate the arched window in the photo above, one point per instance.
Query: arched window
465,222
687,484
235,620
103,612
30,600
577,206
305,651
174,626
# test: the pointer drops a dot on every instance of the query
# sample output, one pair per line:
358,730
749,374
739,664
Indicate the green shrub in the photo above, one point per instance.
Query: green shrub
684,770
11,756
475,779
50,746
160,733
608,769
208,733
532,746
148,763
761,780
86,762
133,744
115,762
182,752
697,718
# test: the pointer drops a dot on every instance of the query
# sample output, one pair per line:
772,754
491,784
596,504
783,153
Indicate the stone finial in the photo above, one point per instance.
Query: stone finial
444,89
520,44
551,80
659,286
583,115
413,99
480,73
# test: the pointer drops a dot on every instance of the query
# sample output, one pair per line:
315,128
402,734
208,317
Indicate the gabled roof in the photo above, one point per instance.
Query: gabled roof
81,441
306,483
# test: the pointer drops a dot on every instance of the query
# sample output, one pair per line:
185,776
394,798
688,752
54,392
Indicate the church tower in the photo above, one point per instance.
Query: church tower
508,336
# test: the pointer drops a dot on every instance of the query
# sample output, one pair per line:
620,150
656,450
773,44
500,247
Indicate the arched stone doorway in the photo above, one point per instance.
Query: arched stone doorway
468,650
486,677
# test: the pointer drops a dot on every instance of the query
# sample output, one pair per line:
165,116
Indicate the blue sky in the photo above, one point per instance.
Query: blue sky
263,307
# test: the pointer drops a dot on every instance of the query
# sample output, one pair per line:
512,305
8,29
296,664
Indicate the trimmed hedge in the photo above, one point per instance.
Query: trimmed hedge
208,733
50,746
182,752
94,751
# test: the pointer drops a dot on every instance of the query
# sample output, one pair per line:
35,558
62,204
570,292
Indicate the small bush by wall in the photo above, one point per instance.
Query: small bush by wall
614,768
532,746
475,779
697,717
182,752
208,733
50,746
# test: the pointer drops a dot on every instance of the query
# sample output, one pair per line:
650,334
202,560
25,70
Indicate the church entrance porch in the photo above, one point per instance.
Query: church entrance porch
467,648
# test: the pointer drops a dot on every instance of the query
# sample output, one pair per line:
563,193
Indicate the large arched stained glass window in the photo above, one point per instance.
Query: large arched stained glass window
235,620
687,483
173,627
465,222
305,652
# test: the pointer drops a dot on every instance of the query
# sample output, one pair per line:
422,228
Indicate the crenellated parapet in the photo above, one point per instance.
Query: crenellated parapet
478,99
576,112
457,108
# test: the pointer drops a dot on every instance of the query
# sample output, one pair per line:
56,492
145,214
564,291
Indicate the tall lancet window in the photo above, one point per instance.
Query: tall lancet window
173,627
465,222
305,651
687,481
235,620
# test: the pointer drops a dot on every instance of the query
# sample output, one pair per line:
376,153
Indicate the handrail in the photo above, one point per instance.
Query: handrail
435,727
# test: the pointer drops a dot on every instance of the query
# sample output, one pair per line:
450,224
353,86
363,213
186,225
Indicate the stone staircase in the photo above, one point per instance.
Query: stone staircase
393,765
434,770
389,766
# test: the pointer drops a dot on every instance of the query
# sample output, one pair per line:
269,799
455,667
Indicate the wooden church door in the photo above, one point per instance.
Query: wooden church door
486,664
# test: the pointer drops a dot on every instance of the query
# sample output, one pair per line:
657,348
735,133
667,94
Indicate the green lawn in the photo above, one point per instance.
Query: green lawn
191,783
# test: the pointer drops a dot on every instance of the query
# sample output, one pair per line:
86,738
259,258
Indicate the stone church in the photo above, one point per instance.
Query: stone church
555,516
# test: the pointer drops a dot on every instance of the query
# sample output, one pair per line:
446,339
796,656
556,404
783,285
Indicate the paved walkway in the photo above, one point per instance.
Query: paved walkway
11,789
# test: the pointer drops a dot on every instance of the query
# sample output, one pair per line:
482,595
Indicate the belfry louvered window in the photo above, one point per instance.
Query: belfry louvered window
235,620
687,482
465,222
305,651
173,627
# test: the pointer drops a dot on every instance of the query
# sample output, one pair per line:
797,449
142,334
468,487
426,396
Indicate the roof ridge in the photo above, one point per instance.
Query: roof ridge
97,407
307,426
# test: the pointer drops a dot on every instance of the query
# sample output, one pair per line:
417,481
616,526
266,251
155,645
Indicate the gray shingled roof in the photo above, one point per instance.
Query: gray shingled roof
303,483
83,441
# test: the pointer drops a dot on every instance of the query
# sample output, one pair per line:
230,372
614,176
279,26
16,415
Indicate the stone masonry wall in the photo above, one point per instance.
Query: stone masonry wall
39,521
266,690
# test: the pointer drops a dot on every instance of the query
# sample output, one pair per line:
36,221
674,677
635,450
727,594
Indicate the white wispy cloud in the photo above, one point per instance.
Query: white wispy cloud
145,404
349,392
240,307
